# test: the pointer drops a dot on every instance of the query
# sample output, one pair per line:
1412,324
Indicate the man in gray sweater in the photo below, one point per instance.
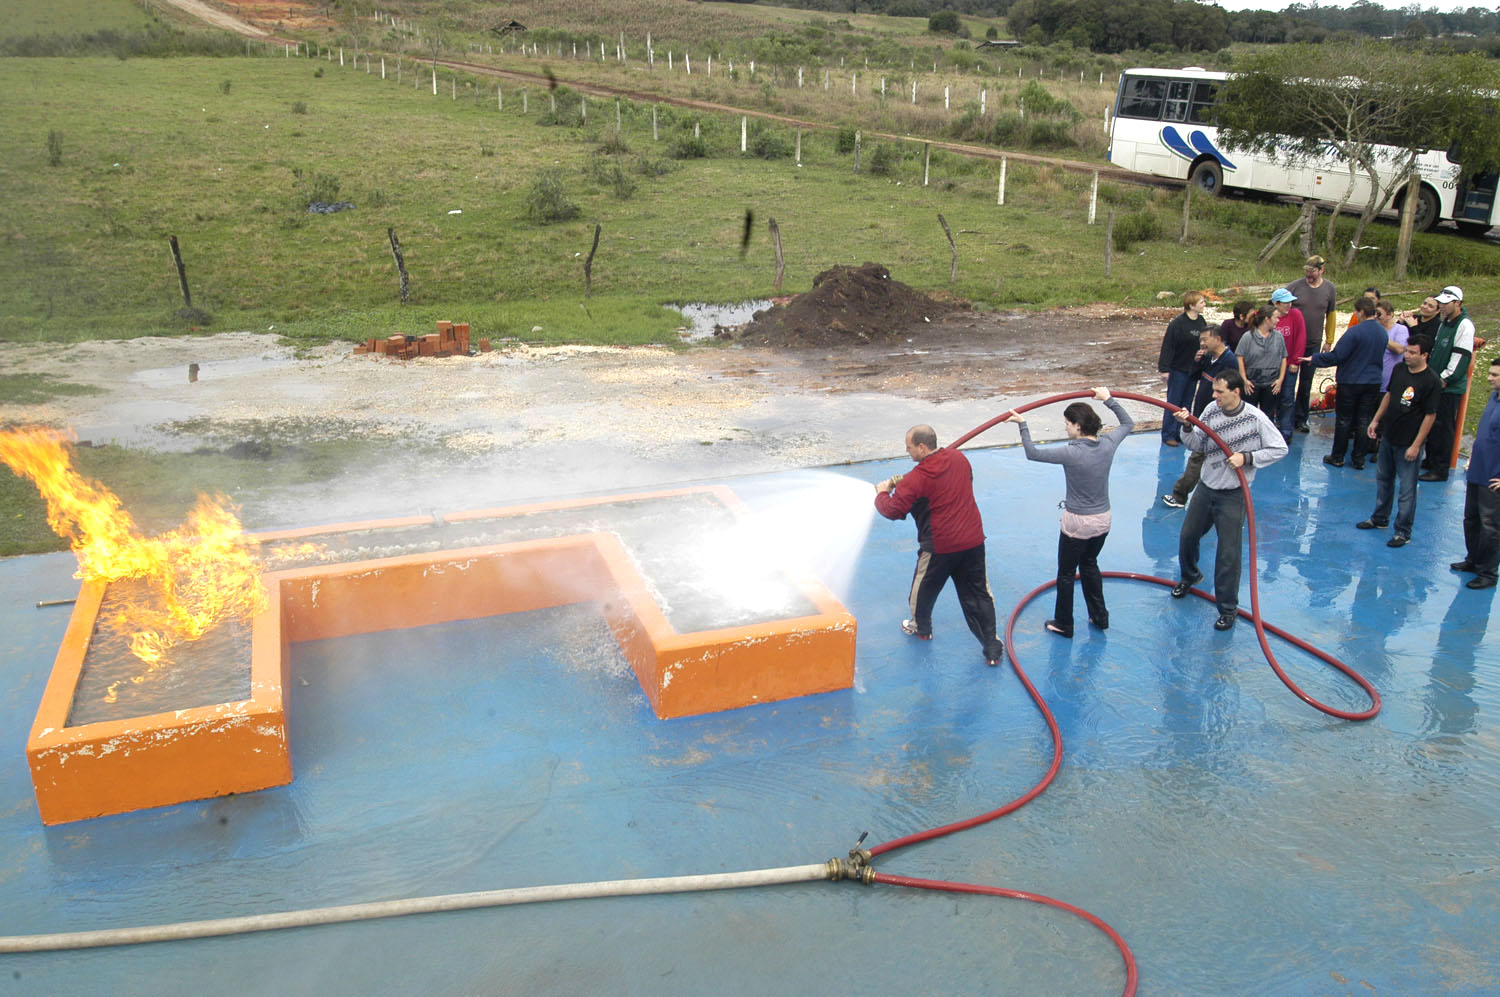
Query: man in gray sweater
1218,504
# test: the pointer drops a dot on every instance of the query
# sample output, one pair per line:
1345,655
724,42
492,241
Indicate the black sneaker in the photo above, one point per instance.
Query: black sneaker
1184,586
1333,461
1464,565
994,662
1225,621
1369,524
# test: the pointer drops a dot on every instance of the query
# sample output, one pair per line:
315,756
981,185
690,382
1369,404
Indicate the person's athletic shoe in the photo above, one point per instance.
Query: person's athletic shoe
1225,621
1464,565
1182,587
1333,461
1172,501
1481,582
1429,476
1398,541
909,627
1358,465
999,655
1053,627
1099,622
1369,524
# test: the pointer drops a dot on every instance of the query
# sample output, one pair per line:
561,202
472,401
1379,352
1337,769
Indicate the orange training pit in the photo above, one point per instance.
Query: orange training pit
486,563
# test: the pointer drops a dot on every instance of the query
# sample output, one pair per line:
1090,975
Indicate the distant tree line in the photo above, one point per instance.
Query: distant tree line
1189,26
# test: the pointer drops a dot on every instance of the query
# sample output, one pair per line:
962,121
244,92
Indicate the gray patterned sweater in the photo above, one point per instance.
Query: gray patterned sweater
1246,430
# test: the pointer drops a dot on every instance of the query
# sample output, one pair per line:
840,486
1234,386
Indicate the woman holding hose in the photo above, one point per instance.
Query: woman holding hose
1086,460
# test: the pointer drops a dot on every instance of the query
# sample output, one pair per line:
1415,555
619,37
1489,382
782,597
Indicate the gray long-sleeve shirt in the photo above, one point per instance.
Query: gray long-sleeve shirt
1085,463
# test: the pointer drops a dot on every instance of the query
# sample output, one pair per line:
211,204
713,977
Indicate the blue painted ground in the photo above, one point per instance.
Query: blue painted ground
1240,841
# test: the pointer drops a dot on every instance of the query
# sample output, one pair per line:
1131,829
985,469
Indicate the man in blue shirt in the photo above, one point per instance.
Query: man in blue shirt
1359,356
1482,498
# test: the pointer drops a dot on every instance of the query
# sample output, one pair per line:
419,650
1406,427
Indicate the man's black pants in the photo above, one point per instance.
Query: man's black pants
966,568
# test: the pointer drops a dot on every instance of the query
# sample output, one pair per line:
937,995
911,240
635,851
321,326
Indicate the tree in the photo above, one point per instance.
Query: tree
945,21
1303,102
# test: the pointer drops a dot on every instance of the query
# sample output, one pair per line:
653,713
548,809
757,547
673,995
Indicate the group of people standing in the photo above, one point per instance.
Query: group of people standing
1400,379
1399,384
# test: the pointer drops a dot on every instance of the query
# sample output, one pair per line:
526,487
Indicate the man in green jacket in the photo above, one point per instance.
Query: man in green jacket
1452,351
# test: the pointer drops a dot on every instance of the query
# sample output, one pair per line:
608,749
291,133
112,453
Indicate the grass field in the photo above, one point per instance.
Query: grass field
20,18
226,153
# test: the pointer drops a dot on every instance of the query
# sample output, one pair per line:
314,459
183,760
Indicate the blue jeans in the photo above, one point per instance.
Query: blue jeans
1391,466
1180,387
1223,511
1288,403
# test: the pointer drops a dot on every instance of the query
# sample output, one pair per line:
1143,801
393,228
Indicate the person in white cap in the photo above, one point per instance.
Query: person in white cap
1452,352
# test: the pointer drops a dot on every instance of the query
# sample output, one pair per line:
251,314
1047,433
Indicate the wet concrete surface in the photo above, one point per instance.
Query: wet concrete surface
1240,841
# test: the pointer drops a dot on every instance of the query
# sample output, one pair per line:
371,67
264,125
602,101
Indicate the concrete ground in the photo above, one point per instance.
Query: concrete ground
1237,839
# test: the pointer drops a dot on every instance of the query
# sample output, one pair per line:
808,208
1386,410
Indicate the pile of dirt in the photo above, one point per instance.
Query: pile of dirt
847,306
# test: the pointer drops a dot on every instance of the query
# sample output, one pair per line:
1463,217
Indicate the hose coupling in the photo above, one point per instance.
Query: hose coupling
846,869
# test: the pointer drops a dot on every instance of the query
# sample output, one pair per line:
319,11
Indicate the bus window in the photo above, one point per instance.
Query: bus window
1176,107
1204,95
1141,98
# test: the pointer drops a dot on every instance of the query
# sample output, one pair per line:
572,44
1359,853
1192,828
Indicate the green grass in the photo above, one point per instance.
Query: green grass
87,240
33,389
227,169
23,18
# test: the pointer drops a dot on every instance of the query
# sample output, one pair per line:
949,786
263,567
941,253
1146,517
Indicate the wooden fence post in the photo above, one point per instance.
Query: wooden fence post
588,264
187,298
400,264
952,247
780,260
1094,198
1187,204
1109,239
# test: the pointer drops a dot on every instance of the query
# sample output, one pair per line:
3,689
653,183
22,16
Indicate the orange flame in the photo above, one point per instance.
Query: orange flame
199,574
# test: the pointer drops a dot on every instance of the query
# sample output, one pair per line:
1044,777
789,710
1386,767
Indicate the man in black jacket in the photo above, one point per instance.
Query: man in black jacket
1179,353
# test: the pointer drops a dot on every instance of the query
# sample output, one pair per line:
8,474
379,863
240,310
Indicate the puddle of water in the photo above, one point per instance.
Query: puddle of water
700,318
213,370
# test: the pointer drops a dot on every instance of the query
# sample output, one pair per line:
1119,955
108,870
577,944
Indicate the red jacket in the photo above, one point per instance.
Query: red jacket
939,493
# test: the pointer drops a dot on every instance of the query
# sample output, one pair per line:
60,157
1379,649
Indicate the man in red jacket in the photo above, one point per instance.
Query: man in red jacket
939,494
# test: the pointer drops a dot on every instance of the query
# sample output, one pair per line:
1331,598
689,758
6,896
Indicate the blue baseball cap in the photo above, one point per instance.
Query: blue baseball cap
1282,295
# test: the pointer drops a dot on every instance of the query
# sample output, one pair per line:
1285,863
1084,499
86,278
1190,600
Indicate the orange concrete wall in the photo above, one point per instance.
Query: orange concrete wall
119,765
167,758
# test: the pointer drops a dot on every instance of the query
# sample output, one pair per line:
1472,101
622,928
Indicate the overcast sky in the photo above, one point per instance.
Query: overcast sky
1444,5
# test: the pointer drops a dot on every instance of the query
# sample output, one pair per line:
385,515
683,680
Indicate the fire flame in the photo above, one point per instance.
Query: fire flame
199,574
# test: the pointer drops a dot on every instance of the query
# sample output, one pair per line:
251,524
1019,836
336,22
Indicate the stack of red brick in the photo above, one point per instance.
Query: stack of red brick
451,339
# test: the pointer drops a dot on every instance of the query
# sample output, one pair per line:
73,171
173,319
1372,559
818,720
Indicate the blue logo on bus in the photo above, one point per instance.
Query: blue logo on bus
1197,144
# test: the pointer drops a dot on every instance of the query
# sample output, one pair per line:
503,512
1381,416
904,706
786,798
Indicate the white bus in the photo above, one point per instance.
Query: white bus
1163,126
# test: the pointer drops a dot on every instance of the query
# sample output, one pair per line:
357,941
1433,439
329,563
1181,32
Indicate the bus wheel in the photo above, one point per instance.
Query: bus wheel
1427,210
1208,177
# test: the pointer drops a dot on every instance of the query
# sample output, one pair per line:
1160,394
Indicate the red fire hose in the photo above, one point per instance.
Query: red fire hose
1261,627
